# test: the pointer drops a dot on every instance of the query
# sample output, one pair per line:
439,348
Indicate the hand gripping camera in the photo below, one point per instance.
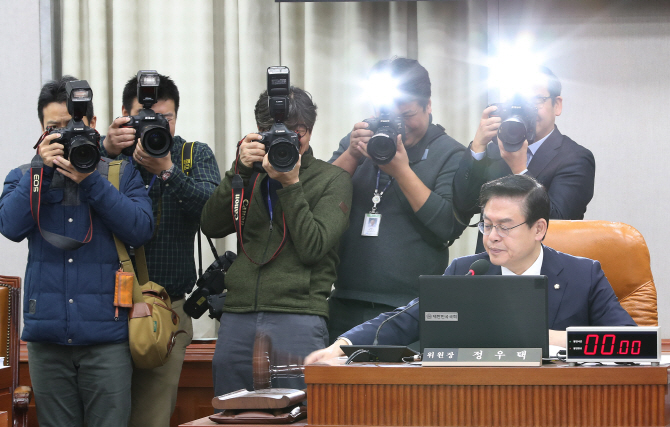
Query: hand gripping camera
519,117
281,143
151,127
210,289
383,144
81,143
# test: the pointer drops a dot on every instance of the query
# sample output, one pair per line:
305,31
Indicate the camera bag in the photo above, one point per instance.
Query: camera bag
152,324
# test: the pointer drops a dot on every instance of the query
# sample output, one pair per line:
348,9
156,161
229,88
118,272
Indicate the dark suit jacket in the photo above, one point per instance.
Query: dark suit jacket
584,298
566,169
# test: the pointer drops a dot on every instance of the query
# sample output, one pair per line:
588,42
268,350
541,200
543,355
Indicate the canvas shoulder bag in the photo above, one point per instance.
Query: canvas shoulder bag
152,324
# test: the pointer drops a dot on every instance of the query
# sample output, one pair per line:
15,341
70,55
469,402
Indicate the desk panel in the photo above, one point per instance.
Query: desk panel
551,395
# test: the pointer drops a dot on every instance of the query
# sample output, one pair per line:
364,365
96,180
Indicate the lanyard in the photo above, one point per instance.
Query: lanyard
377,197
269,202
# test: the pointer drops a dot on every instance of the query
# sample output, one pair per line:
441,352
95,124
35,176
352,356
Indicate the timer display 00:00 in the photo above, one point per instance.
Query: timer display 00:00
610,344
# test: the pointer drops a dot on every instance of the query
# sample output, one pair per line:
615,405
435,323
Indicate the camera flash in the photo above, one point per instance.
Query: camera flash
149,79
81,95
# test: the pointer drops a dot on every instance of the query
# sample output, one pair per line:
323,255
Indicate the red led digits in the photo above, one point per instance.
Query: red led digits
595,345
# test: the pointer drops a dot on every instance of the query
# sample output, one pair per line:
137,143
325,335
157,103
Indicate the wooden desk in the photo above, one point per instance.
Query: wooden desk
551,395
206,422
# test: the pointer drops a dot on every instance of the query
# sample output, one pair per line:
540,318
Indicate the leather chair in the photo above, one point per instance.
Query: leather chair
623,255
10,323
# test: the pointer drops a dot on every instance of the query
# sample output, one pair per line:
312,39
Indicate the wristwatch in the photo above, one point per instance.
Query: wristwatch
164,175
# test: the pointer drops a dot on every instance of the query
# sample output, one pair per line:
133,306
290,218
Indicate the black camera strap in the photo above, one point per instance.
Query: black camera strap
62,242
186,167
241,204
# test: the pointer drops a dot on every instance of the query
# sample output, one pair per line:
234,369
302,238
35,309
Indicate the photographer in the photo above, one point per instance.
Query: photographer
80,363
177,201
411,199
283,292
565,168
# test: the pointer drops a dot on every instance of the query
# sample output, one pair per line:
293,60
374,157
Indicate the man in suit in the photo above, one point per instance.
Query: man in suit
515,217
565,168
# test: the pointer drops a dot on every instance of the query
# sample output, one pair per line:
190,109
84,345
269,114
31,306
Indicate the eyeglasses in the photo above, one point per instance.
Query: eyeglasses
503,231
539,100
301,130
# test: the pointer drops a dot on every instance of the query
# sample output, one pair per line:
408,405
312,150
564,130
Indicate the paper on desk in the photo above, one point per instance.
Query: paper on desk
554,349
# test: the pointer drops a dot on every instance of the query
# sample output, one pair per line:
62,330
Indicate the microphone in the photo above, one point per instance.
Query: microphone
479,267
391,317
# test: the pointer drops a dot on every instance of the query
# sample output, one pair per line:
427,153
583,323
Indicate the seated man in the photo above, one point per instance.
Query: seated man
515,211
280,282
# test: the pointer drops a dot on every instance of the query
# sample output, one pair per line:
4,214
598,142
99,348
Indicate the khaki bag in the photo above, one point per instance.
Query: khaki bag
152,324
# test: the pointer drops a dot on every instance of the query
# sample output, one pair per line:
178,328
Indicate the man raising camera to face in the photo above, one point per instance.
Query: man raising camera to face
178,196
80,362
404,182
565,168
289,216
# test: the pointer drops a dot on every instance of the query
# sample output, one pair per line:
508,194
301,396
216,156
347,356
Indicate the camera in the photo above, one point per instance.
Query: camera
281,143
518,122
383,144
210,291
81,143
153,128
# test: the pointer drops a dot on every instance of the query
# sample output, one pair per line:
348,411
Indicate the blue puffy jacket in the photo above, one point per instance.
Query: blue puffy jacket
69,295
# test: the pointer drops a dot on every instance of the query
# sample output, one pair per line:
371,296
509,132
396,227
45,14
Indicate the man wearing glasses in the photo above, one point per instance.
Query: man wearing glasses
515,211
410,199
287,250
565,168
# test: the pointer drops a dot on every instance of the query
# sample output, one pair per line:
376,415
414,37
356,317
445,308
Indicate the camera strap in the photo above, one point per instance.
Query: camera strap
186,167
240,208
62,242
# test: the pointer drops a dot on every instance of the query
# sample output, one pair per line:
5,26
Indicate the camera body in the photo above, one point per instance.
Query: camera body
81,143
382,145
282,146
210,290
519,117
281,143
153,128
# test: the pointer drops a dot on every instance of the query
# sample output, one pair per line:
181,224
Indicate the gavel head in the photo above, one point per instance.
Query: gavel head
261,362
268,364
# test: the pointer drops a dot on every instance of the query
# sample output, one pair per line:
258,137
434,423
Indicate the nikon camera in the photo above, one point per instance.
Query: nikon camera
153,128
383,144
81,143
281,143
519,117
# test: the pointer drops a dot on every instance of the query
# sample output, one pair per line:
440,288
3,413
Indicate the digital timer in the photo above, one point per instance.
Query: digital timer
613,344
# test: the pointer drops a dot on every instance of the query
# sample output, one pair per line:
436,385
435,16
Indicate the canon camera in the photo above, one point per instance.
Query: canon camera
281,143
153,128
81,143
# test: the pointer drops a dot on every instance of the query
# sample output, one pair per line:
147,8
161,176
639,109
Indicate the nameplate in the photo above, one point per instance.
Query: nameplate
482,357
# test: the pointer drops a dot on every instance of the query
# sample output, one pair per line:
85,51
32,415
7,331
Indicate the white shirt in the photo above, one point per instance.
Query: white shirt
533,270
532,149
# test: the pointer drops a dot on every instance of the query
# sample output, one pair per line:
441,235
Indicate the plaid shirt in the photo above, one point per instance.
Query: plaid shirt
170,252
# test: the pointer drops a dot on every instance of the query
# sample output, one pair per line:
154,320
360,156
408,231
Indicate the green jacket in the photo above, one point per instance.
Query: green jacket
316,211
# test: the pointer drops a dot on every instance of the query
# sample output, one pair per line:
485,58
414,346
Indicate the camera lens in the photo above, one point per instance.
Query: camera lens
512,133
381,148
283,155
84,155
157,141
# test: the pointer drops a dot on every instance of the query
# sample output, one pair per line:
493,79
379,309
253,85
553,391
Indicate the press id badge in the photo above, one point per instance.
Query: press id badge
371,224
